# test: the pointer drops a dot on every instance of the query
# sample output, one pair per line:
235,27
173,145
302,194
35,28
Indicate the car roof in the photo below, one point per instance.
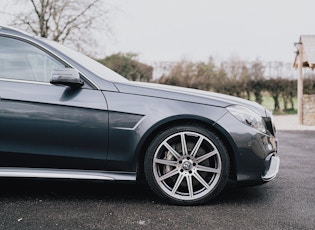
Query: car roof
13,31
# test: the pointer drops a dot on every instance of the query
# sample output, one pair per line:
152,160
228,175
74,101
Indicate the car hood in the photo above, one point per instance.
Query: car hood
187,94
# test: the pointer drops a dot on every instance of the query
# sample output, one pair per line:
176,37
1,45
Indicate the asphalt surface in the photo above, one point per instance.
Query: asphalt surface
288,202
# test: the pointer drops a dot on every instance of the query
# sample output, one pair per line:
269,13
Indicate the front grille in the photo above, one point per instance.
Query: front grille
270,125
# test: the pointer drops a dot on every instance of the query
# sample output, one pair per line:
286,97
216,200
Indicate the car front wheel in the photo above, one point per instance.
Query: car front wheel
186,165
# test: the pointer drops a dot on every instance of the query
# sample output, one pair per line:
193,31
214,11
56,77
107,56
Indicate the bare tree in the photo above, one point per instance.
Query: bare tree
78,23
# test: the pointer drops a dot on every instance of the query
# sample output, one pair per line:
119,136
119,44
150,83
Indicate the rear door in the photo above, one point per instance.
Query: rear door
44,125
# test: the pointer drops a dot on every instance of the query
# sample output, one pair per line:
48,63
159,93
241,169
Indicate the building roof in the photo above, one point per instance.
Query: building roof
307,44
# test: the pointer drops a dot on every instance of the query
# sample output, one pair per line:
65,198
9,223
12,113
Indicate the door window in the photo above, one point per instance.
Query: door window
22,61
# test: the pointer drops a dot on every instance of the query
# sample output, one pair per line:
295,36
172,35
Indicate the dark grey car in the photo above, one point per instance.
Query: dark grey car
63,115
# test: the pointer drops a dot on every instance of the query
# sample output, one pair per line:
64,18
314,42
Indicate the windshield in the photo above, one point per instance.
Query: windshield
89,63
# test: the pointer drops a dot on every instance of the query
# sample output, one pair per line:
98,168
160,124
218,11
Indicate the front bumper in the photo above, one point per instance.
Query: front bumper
254,155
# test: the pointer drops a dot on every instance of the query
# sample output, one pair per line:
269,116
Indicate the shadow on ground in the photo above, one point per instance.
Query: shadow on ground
39,189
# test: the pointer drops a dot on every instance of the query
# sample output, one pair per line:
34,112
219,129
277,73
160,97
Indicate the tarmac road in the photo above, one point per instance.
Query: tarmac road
288,202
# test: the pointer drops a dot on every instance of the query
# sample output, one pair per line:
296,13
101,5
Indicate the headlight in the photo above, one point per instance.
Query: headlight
248,117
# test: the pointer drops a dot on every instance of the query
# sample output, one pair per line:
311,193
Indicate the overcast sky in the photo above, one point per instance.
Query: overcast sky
171,30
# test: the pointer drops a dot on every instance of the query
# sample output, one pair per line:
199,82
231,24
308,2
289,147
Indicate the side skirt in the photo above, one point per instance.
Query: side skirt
67,174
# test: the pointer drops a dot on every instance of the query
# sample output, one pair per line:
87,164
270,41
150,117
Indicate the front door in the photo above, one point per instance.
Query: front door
44,125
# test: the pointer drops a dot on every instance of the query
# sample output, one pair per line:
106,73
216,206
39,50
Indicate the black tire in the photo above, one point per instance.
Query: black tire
189,175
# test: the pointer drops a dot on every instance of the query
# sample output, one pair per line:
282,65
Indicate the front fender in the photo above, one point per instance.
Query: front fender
133,119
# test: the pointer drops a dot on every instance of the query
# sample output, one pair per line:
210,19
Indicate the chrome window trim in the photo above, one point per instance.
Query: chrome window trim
25,81
50,52
67,174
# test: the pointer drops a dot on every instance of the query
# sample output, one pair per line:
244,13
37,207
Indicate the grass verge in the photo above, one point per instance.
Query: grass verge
268,102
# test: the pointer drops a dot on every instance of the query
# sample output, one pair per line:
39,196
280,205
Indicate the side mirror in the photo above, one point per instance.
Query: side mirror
66,76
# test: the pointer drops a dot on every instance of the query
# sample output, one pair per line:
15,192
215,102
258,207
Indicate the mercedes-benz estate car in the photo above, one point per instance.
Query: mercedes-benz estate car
64,115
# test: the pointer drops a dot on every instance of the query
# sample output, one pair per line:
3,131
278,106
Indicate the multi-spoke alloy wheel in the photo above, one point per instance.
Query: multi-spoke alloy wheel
187,165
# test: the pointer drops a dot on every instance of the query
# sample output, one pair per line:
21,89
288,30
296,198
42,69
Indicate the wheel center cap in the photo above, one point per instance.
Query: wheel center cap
187,165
